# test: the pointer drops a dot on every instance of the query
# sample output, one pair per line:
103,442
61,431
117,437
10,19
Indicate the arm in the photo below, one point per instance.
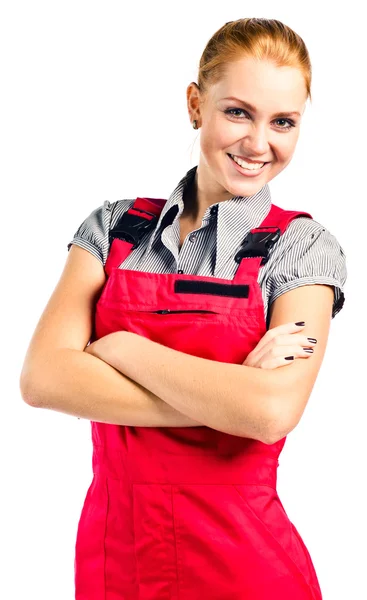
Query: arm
207,391
58,374
237,399
77,383
313,303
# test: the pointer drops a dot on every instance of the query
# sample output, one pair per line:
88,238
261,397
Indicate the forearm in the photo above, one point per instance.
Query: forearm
232,398
79,384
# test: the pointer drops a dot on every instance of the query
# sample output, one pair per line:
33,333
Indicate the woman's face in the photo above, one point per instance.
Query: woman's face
264,127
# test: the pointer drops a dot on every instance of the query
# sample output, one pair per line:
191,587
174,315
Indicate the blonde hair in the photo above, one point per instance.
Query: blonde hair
256,38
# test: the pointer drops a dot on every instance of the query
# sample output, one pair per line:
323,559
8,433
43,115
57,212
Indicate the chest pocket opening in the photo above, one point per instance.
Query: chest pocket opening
168,311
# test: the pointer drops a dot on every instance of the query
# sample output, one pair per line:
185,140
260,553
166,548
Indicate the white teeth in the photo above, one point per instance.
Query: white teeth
246,165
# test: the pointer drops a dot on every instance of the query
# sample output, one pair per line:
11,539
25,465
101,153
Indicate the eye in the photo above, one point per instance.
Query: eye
288,122
229,112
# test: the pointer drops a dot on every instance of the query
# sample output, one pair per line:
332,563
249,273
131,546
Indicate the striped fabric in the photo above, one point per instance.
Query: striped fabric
305,254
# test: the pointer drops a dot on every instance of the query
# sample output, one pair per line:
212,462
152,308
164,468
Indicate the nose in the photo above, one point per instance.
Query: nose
257,141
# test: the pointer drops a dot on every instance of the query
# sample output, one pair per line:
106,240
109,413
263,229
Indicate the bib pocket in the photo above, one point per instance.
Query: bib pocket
199,332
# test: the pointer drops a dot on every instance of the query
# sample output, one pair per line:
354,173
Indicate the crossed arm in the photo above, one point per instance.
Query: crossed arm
135,381
237,399
206,391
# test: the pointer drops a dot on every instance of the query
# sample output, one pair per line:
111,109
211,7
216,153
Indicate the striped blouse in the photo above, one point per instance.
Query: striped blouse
305,254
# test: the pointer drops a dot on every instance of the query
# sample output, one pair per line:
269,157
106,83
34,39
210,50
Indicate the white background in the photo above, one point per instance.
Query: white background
93,107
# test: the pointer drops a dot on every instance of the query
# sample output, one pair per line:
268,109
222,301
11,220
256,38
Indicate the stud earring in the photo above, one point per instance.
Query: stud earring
195,124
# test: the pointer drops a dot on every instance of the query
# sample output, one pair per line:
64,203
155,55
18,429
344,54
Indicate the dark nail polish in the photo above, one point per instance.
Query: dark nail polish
312,340
289,358
300,323
309,350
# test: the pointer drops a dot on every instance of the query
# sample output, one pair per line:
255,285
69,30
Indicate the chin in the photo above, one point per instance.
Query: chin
248,188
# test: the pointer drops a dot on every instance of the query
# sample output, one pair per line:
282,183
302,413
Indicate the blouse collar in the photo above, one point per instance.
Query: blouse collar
236,216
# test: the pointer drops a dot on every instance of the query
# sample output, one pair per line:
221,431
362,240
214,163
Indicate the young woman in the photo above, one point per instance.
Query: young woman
192,306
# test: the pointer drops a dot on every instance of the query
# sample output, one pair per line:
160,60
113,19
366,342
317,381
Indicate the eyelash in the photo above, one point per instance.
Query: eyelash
291,123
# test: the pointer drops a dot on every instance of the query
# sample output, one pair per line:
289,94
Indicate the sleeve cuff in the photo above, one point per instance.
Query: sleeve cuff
87,246
339,297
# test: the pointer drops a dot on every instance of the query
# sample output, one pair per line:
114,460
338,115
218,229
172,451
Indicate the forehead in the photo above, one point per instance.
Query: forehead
263,84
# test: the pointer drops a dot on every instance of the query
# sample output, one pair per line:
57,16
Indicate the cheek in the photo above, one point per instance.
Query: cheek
285,147
217,135
213,140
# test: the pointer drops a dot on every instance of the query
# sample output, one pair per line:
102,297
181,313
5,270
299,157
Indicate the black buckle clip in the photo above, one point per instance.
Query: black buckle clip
132,227
258,244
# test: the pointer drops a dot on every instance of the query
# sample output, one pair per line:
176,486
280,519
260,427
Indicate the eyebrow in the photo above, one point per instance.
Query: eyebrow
250,107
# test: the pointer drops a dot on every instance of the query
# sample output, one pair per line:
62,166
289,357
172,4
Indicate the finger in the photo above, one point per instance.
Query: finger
277,363
272,334
291,339
278,354
281,361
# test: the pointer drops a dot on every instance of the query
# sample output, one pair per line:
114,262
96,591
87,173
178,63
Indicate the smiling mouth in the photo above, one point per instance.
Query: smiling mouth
249,166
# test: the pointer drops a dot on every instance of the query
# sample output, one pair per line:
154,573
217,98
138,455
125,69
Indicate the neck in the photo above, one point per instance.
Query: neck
191,208
196,201
197,197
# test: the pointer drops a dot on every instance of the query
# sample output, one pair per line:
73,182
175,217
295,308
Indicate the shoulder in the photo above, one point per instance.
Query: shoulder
108,213
92,234
306,229
118,208
307,253
306,236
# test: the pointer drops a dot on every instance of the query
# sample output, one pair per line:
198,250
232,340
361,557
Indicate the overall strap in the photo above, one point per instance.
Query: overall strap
126,235
256,245
144,214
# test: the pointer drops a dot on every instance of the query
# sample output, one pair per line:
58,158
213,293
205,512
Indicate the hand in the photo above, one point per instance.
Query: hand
108,347
90,348
276,345
100,347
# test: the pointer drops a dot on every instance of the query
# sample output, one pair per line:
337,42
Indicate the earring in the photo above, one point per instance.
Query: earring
195,124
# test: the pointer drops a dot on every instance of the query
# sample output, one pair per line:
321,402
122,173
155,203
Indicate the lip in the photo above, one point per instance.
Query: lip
247,172
249,160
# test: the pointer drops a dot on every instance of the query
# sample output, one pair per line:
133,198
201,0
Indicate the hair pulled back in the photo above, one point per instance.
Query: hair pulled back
267,39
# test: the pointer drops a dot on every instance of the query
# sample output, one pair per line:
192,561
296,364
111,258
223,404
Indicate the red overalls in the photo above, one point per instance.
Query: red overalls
187,513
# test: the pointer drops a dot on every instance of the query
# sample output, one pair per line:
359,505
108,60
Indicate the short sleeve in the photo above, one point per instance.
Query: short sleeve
316,257
92,233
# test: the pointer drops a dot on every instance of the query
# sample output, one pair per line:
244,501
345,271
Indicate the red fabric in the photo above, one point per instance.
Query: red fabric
186,513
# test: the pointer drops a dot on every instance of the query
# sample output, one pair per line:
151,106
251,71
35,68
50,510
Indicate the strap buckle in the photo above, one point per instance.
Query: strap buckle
258,243
132,228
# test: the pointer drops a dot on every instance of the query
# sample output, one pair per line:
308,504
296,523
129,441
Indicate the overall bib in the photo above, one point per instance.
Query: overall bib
187,513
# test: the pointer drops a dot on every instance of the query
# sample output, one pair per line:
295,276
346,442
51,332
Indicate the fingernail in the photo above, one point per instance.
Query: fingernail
289,358
310,350
300,323
312,340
